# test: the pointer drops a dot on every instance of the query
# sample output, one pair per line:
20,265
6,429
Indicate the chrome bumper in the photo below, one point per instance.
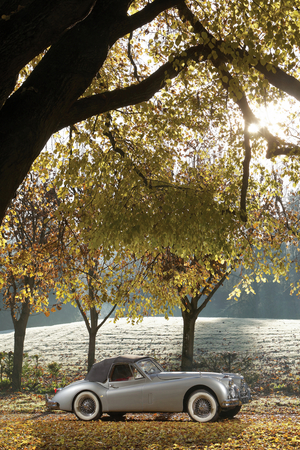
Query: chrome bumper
50,404
243,397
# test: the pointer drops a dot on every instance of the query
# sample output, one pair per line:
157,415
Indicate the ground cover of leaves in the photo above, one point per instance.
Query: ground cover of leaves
271,422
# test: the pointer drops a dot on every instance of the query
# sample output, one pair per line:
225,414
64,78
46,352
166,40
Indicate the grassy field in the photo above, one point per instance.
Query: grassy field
68,343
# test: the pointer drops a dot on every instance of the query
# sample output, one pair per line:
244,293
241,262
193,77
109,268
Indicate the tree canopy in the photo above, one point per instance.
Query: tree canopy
143,88
30,257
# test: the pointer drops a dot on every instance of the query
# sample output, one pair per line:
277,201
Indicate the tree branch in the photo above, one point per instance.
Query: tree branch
107,317
212,292
86,320
144,16
278,78
246,174
276,146
121,152
186,304
135,72
8,7
132,95
31,30
61,77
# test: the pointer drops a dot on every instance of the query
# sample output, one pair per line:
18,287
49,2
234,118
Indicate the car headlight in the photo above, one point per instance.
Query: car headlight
245,391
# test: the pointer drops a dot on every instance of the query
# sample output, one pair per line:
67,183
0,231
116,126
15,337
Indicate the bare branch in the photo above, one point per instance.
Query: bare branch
212,292
135,72
33,29
86,320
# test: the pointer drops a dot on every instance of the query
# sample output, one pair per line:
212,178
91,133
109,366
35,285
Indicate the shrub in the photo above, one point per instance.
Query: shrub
54,369
229,362
6,365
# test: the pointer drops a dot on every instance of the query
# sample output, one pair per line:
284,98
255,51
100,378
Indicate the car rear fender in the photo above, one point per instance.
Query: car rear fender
93,392
66,396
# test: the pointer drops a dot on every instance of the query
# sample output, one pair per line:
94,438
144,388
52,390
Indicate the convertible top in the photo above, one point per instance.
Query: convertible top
99,371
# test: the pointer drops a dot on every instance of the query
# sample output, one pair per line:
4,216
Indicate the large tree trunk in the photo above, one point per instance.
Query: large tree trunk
189,320
31,114
92,347
92,336
20,330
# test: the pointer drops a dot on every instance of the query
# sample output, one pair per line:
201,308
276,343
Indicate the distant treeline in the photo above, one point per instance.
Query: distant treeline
271,300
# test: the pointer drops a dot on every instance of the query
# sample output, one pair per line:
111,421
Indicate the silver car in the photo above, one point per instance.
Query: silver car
138,384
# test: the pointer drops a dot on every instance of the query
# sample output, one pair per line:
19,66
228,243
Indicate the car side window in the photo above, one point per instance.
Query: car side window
121,372
137,375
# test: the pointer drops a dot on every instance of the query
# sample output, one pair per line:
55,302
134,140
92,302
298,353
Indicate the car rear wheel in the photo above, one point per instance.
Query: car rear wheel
230,413
202,406
87,406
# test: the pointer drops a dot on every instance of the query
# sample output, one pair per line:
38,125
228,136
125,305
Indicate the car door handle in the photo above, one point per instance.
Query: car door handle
113,386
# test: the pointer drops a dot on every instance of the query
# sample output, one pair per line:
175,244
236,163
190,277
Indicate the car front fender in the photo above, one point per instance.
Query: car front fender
213,385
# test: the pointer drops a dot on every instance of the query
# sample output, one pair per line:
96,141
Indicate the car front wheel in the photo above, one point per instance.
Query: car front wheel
202,406
87,406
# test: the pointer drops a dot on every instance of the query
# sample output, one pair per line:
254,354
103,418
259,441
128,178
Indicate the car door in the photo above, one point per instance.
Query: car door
125,387
162,396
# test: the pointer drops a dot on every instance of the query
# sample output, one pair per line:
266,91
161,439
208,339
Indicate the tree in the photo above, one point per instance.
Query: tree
31,237
189,283
92,279
257,250
214,64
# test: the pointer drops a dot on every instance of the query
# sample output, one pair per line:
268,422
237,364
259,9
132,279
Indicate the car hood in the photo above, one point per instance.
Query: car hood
177,375
224,377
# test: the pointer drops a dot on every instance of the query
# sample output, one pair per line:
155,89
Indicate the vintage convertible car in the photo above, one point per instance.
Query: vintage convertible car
136,384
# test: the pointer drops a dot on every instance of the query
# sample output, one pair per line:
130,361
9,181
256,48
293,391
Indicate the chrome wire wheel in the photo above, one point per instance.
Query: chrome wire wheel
87,406
203,406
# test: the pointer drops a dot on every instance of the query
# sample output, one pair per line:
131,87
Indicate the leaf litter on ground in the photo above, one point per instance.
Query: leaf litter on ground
269,422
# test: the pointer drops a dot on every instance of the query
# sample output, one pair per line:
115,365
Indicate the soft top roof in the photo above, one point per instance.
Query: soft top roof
99,371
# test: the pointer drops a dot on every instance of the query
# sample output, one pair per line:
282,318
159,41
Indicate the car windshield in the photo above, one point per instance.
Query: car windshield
149,366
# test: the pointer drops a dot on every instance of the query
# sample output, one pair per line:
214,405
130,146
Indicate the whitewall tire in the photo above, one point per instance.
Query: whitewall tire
202,406
87,406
